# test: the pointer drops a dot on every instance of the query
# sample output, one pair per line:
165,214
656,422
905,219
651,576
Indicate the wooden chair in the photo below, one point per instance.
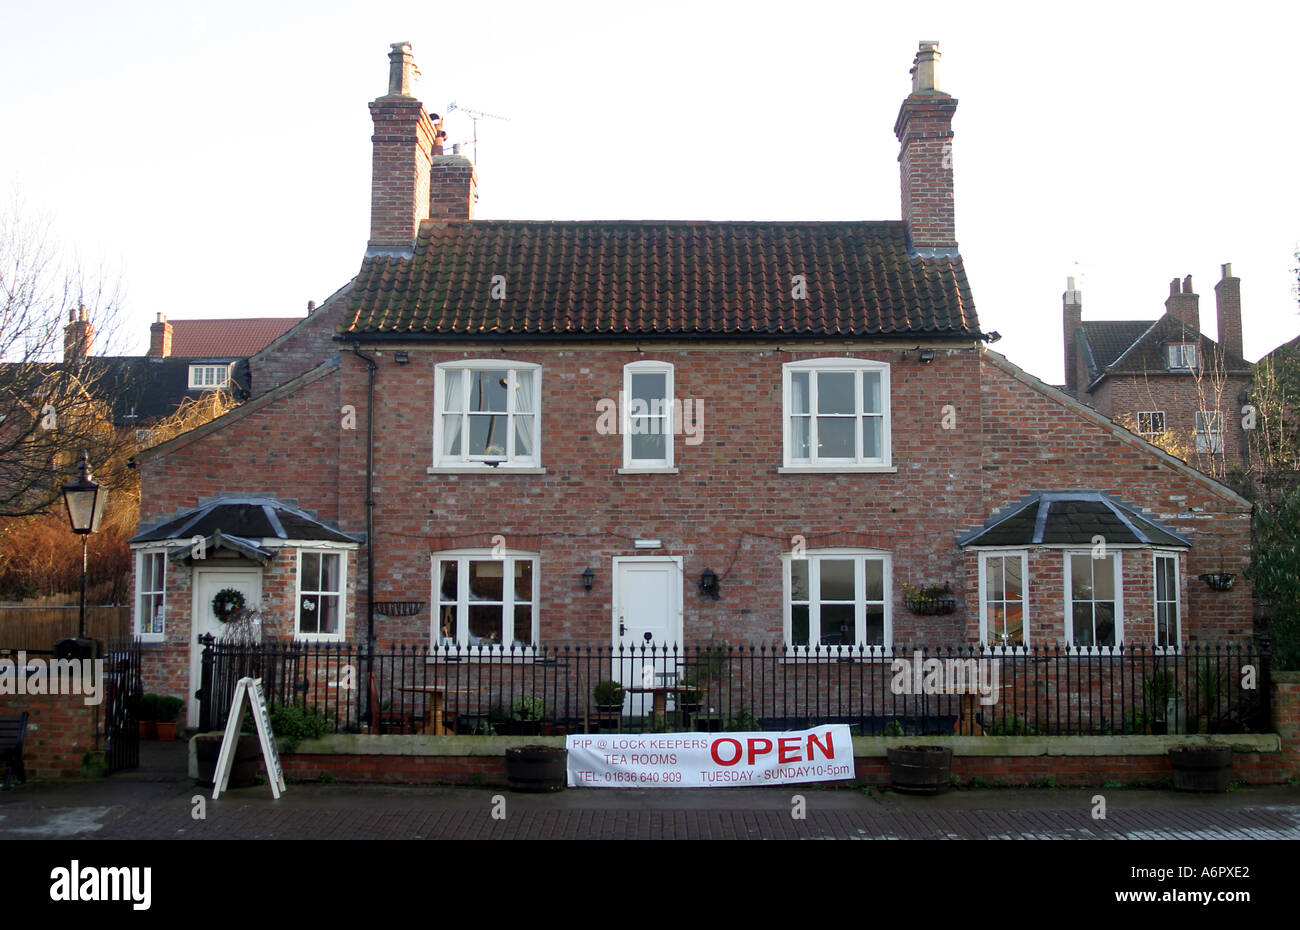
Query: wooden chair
386,721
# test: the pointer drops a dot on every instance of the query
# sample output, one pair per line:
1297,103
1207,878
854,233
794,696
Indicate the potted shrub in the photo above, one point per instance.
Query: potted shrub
1160,694
919,769
608,698
146,712
689,697
168,709
526,715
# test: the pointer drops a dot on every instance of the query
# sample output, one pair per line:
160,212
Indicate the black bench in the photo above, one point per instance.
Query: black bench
13,727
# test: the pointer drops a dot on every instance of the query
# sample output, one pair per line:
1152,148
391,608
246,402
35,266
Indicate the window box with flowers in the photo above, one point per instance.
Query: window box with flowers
929,599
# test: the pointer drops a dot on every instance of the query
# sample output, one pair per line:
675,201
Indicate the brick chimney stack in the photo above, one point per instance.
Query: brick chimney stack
160,338
1227,299
404,141
1184,304
77,335
1072,314
924,130
453,187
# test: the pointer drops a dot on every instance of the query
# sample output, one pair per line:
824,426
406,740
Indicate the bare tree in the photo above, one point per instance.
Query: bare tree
51,405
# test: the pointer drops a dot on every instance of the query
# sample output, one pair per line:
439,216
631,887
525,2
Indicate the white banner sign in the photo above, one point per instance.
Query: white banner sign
709,760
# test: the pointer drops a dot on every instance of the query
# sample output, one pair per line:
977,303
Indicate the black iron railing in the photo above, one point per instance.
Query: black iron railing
912,690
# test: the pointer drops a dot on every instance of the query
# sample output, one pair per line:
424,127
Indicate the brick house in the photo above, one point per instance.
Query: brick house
754,432
1164,376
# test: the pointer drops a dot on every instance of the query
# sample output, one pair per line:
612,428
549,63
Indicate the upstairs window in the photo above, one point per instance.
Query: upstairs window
487,414
1151,422
837,413
648,415
210,377
1209,431
1181,355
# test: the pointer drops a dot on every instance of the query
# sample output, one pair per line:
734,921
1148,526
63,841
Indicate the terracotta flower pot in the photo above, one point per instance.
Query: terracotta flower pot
166,731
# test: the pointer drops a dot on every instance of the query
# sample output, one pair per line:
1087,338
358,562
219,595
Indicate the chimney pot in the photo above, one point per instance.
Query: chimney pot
402,72
925,69
1227,270
1187,285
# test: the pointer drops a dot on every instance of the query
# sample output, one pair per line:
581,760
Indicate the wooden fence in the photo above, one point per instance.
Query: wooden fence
41,627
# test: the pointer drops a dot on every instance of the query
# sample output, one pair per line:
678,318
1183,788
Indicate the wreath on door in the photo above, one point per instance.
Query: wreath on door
227,603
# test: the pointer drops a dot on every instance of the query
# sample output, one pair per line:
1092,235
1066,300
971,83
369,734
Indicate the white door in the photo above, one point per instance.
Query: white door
647,612
207,582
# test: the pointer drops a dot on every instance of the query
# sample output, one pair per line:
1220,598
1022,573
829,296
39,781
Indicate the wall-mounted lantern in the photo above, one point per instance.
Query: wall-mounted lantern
587,577
709,584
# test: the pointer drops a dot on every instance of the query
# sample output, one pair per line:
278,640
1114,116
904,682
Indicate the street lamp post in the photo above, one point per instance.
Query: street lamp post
85,502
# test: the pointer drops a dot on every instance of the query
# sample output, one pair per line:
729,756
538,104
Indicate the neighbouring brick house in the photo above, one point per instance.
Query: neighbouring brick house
612,432
1165,376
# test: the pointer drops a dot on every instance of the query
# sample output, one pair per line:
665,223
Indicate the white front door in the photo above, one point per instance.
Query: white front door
647,612
206,583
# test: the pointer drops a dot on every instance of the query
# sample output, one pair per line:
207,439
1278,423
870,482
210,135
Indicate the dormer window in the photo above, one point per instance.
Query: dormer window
210,377
1181,356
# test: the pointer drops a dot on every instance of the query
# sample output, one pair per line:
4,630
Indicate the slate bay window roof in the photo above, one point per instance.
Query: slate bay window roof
644,279
1072,518
244,520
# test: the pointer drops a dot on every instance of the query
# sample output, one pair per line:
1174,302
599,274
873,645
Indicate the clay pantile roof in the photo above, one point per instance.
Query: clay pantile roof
1145,355
226,338
1072,518
671,279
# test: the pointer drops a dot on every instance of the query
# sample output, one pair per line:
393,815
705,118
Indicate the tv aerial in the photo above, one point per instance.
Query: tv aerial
475,116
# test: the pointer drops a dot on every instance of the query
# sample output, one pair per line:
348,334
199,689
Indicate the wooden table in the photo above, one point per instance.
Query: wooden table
433,719
661,693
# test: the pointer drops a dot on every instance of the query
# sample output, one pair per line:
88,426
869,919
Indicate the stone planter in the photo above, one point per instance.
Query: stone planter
920,769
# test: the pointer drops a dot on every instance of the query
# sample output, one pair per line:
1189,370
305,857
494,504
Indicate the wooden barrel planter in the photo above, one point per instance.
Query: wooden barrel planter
244,770
1201,768
537,769
920,769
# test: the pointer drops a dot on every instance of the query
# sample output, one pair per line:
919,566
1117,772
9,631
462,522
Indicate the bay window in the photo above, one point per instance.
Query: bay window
1004,612
320,595
150,594
1094,602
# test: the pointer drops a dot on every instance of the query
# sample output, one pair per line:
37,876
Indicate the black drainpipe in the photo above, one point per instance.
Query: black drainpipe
370,521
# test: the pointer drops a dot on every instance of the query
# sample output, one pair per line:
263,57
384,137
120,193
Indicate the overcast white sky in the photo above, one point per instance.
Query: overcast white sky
219,154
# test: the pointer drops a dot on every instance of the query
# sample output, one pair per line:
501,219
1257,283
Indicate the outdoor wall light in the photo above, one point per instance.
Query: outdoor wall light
926,356
709,583
587,576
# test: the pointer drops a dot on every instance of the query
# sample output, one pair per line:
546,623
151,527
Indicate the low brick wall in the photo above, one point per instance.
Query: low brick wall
60,731
1258,759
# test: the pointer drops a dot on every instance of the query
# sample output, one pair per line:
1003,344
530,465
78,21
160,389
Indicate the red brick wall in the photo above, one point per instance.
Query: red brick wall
1180,397
60,731
399,186
301,349
924,130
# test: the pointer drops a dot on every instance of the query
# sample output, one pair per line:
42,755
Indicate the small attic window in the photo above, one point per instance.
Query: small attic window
204,377
1181,356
